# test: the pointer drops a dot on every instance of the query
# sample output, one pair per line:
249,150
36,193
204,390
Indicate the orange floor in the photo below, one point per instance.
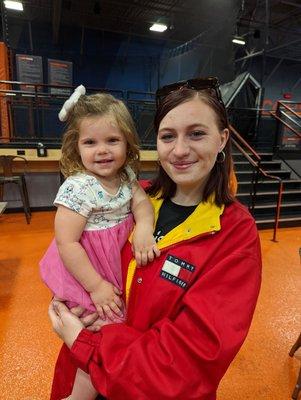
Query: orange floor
261,371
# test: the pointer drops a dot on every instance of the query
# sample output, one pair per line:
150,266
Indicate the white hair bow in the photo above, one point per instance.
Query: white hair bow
70,103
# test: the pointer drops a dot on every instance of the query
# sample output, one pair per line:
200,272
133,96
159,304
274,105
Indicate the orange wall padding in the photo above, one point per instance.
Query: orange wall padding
4,75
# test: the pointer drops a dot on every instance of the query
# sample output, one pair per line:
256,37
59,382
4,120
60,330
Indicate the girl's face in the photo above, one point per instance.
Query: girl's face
102,146
188,143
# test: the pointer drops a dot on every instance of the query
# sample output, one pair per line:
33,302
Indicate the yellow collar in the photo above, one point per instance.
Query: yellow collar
204,219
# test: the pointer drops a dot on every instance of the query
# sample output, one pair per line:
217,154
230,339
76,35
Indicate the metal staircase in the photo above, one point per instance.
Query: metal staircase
267,191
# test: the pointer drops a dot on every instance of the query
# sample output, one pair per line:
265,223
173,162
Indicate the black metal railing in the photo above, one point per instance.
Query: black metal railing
288,118
32,111
257,170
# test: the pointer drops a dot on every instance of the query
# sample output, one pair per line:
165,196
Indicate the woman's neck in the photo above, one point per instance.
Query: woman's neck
185,196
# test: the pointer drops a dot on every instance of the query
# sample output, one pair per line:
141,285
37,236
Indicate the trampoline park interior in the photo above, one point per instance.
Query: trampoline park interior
47,48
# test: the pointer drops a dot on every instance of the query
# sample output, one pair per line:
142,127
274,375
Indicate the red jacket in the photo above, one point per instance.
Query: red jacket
189,312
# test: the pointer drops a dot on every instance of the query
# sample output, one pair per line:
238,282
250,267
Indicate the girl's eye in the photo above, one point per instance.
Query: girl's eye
113,140
197,134
89,141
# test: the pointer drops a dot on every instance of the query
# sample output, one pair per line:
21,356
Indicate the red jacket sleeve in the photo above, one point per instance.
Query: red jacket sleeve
184,357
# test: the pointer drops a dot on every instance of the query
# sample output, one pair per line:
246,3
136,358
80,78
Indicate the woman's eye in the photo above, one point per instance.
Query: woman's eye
167,137
197,134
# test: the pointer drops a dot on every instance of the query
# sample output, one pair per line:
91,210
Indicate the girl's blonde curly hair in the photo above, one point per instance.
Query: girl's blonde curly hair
99,104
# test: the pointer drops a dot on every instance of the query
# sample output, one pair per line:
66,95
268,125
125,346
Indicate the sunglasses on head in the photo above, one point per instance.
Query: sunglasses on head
194,84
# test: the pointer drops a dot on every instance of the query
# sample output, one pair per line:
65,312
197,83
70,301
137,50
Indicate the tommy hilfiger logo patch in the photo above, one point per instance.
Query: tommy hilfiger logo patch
176,270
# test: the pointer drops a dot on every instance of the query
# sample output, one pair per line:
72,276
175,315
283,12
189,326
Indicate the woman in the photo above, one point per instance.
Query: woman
190,309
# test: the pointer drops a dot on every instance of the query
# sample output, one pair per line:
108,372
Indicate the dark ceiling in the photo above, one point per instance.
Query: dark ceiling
185,19
270,25
276,25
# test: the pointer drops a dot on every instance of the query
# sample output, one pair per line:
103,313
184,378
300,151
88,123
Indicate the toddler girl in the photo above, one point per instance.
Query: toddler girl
94,212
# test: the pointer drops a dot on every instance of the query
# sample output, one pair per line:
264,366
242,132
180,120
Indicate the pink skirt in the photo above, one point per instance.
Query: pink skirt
103,249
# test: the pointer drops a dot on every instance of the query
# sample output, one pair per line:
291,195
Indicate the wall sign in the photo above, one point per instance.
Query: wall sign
29,69
60,73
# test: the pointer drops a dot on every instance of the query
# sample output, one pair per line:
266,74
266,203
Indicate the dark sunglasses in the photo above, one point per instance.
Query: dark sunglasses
195,84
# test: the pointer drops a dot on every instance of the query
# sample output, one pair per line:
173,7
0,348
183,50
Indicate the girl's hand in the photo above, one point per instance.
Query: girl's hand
144,245
92,321
66,325
105,297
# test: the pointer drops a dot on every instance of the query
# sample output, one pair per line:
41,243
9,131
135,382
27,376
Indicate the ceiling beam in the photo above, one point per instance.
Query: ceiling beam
268,51
246,22
154,6
287,17
283,45
291,3
259,53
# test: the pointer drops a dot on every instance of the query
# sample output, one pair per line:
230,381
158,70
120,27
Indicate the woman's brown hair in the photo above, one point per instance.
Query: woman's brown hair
94,106
218,182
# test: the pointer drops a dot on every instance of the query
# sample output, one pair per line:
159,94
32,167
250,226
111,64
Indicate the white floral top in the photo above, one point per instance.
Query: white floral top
85,195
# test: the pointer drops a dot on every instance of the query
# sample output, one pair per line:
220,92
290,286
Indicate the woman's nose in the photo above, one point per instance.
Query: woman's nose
181,148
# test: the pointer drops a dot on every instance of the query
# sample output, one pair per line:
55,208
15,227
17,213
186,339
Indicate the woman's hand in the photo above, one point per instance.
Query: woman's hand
66,325
92,321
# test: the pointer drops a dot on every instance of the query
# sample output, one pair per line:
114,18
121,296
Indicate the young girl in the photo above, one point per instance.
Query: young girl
94,212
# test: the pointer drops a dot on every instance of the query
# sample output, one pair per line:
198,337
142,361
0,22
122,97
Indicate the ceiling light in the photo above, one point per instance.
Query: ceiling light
239,40
158,28
13,5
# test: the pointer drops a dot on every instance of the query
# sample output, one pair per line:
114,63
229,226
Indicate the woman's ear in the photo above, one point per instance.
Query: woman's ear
224,138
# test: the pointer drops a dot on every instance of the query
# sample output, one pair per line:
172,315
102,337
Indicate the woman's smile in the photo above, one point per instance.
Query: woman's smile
182,165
